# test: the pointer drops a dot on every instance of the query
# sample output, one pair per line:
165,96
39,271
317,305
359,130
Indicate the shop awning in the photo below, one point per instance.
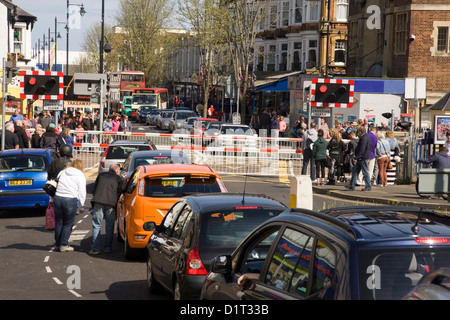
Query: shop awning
273,81
443,104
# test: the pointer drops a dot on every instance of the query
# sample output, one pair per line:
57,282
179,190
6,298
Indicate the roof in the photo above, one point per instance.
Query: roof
24,151
177,168
219,201
21,14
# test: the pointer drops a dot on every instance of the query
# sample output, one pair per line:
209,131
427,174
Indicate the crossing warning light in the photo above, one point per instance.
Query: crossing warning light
42,85
332,93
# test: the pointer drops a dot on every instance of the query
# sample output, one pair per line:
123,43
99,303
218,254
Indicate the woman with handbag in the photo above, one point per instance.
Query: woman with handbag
71,190
382,153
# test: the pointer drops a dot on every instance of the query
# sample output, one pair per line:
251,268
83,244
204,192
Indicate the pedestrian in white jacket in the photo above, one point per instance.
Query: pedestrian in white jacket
70,192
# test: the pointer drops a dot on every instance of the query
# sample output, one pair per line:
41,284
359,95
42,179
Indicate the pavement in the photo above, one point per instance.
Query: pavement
401,195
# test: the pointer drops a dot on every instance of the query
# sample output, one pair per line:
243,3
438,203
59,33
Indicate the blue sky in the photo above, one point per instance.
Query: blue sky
47,10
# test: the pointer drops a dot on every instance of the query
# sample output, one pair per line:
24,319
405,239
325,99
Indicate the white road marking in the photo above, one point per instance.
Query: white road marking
57,280
47,268
76,294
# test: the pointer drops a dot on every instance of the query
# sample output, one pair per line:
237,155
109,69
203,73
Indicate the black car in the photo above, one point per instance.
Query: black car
196,229
143,158
368,253
141,113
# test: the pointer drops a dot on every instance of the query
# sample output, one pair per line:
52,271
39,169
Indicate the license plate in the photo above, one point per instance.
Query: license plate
23,182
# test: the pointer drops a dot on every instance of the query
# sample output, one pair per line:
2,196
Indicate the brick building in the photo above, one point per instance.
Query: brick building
399,39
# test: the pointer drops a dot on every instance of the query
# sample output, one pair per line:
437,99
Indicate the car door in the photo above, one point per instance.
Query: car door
171,249
124,205
159,242
249,258
301,265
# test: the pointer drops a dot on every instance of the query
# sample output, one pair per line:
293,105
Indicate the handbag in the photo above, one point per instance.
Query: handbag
50,187
389,164
50,217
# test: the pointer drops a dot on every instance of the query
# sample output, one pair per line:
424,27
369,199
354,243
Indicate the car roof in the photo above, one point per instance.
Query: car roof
369,223
220,201
177,168
39,151
147,153
129,142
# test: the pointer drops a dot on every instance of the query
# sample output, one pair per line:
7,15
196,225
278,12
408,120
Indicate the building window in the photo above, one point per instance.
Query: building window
340,52
342,10
271,58
283,57
18,40
313,10
401,27
284,21
273,17
442,40
312,54
296,60
298,12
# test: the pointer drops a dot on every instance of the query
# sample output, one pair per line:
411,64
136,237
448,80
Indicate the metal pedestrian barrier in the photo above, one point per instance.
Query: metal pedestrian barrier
250,155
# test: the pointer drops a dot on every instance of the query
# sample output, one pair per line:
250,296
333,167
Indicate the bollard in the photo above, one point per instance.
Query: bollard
301,195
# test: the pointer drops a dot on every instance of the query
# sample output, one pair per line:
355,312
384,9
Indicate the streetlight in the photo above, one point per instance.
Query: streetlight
82,13
56,42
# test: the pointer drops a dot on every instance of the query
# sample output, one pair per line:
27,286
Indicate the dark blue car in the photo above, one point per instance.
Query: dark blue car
23,173
369,253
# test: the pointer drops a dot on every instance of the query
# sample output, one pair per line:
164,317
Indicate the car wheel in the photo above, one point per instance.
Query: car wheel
152,286
119,237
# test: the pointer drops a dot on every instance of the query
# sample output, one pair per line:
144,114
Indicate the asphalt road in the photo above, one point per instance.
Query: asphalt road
30,270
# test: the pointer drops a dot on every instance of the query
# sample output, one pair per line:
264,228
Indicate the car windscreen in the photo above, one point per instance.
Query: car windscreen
390,273
184,115
122,152
227,228
178,186
161,160
147,108
235,130
36,163
144,98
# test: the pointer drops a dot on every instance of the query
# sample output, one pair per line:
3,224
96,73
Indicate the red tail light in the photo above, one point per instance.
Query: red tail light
102,162
194,265
432,240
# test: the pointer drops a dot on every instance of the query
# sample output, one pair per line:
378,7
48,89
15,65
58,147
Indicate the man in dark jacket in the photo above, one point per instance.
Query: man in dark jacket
362,156
440,160
64,160
107,189
21,134
265,123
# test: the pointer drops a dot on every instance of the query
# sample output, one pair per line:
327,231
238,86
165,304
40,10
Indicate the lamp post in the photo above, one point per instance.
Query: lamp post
82,13
104,47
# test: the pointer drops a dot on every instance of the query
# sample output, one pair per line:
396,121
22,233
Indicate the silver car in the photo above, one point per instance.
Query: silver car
118,151
178,118
163,120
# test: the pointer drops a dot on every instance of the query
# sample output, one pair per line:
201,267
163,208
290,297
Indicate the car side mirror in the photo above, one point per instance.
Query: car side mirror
149,226
221,264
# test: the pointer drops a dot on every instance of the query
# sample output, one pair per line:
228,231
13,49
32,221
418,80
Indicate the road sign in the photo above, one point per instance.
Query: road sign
334,93
321,112
53,105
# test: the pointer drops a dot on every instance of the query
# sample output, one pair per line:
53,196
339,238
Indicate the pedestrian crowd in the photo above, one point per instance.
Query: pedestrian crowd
70,196
366,155
45,133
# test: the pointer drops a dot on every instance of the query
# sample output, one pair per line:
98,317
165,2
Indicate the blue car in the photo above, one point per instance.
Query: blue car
23,173
361,253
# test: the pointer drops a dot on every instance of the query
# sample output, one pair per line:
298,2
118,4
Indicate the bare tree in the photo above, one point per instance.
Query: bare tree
142,23
240,21
198,15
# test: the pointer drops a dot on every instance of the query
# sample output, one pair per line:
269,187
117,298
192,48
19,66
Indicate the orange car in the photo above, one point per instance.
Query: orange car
150,193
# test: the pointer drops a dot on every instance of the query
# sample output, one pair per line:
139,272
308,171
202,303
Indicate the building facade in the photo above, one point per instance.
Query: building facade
401,39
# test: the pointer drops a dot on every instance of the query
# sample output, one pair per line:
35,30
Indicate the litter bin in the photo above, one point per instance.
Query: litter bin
433,182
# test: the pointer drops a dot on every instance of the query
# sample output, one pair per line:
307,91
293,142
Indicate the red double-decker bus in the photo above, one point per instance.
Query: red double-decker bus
122,84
